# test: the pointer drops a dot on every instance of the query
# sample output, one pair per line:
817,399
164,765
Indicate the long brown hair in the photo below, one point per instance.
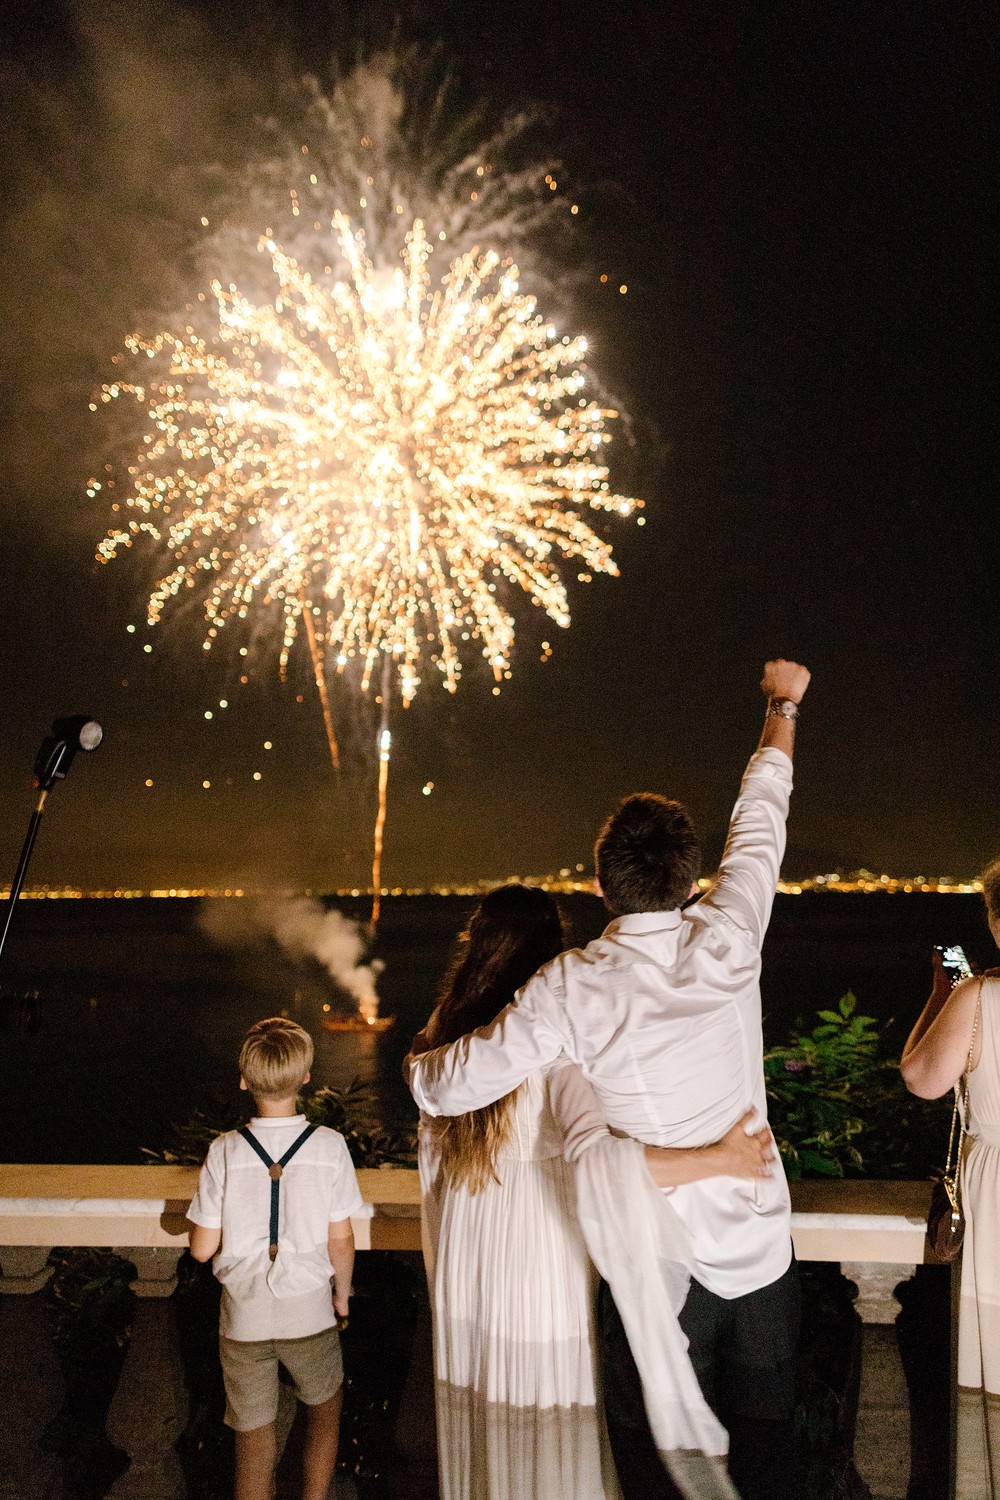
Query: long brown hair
512,932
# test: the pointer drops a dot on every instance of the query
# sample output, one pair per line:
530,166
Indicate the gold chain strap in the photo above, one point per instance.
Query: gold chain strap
987,1430
953,1166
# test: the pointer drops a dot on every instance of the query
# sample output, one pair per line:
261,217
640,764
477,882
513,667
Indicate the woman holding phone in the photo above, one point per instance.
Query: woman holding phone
956,1038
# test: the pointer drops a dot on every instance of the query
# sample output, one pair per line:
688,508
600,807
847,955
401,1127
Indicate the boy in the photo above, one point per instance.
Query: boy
274,1203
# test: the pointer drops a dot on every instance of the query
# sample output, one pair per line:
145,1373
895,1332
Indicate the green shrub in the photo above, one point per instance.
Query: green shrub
352,1110
839,1108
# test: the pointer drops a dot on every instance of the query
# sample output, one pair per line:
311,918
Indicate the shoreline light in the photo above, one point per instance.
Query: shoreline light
858,883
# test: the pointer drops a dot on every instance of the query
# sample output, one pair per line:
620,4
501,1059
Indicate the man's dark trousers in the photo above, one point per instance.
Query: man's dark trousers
744,1353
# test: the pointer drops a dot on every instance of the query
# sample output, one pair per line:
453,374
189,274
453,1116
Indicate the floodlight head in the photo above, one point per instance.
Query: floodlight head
55,755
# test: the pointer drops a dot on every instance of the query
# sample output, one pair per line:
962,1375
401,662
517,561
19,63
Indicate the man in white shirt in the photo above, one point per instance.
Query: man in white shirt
663,1015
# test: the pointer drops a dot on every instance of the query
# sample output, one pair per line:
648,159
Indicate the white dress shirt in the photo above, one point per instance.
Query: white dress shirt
663,1015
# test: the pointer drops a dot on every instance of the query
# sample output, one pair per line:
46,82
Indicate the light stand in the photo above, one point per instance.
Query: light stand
54,758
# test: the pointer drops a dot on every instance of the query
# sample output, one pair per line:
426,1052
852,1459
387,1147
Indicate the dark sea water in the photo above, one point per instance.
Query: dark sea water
141,1015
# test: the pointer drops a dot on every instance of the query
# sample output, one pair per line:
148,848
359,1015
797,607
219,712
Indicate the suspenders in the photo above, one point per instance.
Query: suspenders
274,1171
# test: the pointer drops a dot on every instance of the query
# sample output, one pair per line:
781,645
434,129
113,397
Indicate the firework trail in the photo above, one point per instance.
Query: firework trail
384,756
319,672
367,453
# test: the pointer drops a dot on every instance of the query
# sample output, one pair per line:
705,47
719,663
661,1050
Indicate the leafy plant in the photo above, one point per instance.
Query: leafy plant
352,1110
838,1106
188,1143
91,1305
89,1298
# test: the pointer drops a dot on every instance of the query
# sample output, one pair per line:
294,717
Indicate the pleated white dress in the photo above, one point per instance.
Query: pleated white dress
978,1477
512,1295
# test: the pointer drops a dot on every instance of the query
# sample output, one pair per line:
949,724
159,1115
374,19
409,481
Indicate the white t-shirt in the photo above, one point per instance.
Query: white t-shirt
662,1014
288,1297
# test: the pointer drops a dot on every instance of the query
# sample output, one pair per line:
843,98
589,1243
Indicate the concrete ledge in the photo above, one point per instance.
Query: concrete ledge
884,1222
62,1181
91,1205
121,1206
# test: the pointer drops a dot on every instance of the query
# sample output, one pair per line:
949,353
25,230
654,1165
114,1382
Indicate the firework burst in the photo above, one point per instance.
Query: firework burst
378,451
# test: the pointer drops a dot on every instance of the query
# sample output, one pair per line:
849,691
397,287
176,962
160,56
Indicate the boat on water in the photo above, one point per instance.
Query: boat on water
359,1023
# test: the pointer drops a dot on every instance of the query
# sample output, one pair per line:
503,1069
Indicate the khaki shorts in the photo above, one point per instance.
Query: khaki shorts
250,1372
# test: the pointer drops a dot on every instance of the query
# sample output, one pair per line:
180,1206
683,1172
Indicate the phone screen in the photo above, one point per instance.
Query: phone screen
955,962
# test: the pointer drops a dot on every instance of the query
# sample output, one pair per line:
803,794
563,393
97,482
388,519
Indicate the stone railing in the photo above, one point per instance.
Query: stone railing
874,1230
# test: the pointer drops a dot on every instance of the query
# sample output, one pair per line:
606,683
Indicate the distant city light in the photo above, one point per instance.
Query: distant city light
857,882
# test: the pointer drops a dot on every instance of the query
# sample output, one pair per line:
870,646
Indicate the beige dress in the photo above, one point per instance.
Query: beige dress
512,1295
978,1476
518,1408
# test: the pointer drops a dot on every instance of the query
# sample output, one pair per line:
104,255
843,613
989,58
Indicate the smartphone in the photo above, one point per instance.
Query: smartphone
954,961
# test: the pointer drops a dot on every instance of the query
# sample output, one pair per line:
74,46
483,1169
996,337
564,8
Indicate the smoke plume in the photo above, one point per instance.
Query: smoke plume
303,928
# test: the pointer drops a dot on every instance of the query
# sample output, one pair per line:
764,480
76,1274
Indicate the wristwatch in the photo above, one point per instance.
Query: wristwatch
782,708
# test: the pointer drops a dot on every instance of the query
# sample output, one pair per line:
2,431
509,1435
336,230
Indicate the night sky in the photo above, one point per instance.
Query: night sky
798,197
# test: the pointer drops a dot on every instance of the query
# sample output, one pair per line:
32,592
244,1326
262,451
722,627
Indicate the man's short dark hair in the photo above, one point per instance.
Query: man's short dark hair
646,855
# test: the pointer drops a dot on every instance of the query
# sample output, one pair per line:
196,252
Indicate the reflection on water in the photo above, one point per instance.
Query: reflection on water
343,1055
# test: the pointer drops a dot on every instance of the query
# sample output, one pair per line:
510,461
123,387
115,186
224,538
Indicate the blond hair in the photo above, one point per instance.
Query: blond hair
468,1145
991,889
275,1057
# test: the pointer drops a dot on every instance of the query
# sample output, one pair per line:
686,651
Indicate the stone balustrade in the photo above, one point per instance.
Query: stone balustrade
876,1231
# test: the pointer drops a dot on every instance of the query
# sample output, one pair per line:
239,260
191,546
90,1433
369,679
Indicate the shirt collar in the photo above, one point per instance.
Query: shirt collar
267,1121
642,922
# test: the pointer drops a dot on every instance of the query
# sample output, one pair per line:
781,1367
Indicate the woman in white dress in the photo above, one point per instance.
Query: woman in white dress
955,1022
512,1289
